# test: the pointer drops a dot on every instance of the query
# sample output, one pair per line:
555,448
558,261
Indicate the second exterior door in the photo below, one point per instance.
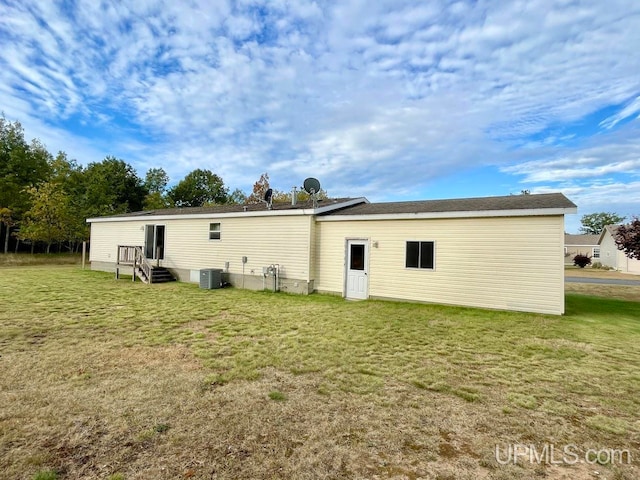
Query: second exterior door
357,275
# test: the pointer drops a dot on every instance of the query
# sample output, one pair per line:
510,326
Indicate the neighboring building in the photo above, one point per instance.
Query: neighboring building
611,256
586,245
495,252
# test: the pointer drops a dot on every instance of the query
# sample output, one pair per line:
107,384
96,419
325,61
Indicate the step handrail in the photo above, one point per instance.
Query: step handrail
134,255
141,261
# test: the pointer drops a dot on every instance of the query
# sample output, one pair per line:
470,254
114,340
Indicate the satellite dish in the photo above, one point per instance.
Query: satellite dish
311,185
267,195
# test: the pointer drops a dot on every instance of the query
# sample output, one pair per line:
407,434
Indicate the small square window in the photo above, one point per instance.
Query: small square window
214,231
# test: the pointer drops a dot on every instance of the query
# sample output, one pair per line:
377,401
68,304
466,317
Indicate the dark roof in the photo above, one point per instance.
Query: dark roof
510,202
260,207
570,239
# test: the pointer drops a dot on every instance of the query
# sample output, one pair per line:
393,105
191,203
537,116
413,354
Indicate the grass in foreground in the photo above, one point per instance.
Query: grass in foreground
104,378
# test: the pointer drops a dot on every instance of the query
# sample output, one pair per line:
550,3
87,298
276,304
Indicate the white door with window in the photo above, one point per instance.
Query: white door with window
357,284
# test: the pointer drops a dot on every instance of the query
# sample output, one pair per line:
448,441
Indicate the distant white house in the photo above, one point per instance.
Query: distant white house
612,257
586,245
495,252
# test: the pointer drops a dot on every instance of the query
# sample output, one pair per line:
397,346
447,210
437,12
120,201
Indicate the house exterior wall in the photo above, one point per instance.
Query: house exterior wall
513,263
283,240
614,258
609,252
632,265
105,238
570,251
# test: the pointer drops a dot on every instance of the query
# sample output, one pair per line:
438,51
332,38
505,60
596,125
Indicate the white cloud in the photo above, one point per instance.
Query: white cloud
361,94
630,110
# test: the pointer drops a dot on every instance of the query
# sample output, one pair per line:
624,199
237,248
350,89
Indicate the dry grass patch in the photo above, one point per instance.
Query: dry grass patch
26,259
112,379
590,272
619,292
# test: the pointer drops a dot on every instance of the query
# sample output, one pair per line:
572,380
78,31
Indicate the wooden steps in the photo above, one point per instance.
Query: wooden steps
158,275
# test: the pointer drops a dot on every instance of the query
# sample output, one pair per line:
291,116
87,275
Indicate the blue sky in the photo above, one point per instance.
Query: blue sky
393,100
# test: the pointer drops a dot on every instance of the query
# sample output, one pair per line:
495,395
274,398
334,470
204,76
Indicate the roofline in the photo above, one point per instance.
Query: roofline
607,229
461,214
254,213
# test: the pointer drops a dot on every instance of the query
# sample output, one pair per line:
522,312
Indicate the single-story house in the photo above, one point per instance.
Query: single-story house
586,245
611,256
495,252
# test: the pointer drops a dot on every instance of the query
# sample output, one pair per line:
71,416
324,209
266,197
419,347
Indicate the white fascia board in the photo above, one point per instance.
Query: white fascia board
463,214
258,213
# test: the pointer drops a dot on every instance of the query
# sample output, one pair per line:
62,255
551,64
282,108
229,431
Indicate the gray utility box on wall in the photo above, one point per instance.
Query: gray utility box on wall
210,278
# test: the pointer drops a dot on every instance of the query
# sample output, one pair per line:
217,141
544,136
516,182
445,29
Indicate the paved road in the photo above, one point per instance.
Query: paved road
607,281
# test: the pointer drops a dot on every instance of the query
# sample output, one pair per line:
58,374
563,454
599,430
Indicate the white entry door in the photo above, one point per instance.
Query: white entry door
357,270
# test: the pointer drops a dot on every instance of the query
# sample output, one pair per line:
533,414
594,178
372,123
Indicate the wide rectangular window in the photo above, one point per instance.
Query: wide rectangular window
420,255
214,231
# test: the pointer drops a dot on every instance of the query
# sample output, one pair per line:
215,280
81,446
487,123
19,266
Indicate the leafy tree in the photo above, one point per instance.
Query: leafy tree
594,223
198,188
301,196
259,189
48,219
156,201
155,181
21,165
262,185
112,186
70,177
237,197
627,238
6,218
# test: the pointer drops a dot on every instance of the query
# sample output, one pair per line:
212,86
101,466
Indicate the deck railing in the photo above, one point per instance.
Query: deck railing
134,255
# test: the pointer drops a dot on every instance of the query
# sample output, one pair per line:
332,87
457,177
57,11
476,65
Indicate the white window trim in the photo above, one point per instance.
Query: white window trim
219,231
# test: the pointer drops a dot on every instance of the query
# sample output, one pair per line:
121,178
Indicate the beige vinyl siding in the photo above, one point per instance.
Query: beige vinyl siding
105,238
263,240
608,251
513,263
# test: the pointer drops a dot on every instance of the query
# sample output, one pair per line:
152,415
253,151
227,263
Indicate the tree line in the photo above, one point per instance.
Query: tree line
46,199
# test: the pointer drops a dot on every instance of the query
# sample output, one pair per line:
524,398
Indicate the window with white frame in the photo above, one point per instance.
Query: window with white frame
420,255
214,231
596,252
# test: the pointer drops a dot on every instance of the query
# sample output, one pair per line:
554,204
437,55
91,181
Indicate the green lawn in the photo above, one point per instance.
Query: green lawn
113,379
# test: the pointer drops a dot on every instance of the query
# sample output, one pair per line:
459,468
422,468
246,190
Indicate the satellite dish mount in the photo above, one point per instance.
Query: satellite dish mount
268,198
312,187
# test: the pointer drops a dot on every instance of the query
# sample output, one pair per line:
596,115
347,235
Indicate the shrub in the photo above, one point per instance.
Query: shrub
581,261
596,265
